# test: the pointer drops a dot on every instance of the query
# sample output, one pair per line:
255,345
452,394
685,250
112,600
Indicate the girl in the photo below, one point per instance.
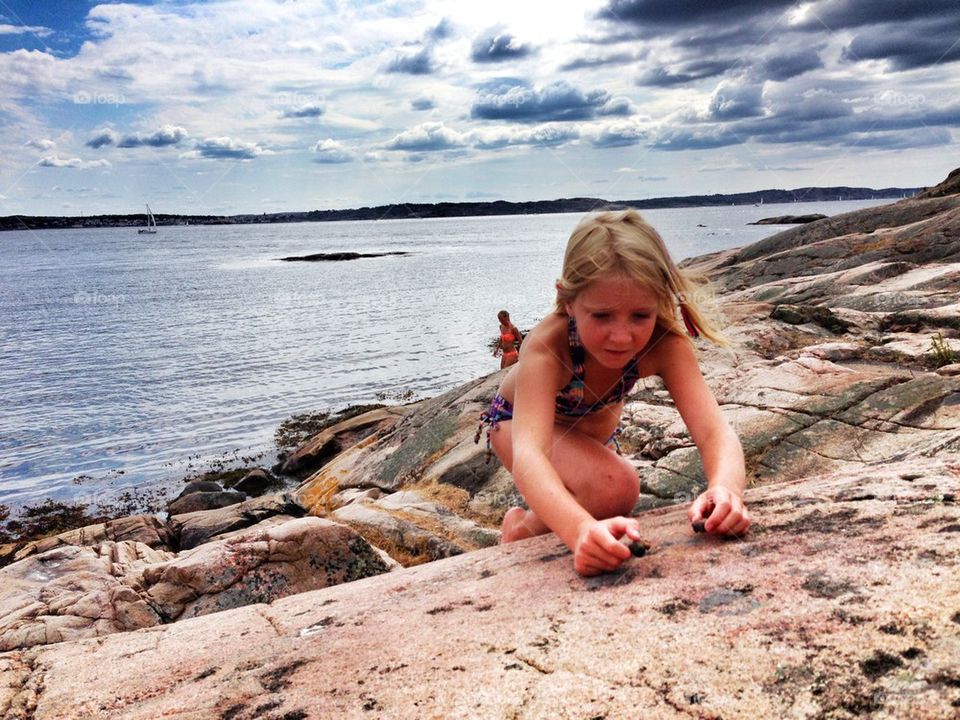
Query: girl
508,344
555,416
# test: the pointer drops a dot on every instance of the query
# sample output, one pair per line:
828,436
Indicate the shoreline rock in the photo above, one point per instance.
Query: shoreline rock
790,219
336,257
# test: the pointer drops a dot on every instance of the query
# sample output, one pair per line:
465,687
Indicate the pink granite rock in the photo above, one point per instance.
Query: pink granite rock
278,557
843,601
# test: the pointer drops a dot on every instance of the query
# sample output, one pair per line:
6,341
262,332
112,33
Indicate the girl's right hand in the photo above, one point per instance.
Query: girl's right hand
598,548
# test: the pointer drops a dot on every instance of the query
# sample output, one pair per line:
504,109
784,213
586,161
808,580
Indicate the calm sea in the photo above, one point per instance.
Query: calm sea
127,358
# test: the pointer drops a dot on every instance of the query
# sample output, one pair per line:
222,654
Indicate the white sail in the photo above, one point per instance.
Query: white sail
151,227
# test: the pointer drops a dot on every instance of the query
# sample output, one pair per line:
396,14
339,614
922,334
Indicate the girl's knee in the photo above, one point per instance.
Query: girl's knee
620,490
628,485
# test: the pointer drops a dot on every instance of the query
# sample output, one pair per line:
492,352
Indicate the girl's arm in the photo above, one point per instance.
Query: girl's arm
540,373
717,442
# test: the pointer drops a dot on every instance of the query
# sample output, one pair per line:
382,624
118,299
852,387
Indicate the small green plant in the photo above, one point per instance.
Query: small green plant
942,353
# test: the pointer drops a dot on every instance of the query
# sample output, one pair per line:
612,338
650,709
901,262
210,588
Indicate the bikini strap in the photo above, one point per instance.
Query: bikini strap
578,355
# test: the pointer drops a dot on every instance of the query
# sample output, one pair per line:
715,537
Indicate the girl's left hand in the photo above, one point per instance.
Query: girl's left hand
721,511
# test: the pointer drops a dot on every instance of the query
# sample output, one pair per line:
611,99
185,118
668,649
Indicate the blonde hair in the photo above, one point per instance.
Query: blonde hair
622,242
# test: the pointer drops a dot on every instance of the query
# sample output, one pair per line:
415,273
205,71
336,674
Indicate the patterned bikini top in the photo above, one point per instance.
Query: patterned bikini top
570,399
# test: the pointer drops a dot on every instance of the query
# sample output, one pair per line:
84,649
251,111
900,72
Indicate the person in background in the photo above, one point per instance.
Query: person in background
623,311
508,344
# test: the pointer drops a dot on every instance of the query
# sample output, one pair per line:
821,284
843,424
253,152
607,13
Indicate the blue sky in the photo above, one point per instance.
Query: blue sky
272,105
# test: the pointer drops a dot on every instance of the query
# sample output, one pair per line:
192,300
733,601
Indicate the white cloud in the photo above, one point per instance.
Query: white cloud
55,161
329,151
427,137
21,29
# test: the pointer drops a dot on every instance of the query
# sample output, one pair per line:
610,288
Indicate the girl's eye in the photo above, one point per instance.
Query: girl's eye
600,315
641,316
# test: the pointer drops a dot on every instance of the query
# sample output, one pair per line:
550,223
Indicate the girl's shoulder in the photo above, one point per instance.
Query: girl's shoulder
662,349
549,335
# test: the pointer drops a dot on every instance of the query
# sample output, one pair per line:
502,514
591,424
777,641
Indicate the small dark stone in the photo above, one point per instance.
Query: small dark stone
698,527
637,549
257,482
197,501
880,663
199,486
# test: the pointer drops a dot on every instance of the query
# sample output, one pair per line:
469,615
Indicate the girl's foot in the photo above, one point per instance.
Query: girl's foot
519,524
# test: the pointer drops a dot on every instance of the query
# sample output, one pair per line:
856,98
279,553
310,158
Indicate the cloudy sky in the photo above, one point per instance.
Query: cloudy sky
270,105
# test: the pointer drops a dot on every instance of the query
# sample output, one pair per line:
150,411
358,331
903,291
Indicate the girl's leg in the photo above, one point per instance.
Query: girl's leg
605,484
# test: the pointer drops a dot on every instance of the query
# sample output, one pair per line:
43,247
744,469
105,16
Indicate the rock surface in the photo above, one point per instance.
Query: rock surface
326,444
195,528
82,591
144,529
275,558
844,601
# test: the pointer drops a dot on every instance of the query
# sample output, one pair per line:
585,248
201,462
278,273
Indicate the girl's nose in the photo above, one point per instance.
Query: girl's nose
620,333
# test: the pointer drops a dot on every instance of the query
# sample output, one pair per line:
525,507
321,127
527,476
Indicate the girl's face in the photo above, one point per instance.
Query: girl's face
615,317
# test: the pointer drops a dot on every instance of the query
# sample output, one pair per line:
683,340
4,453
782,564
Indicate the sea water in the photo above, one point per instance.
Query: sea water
126,358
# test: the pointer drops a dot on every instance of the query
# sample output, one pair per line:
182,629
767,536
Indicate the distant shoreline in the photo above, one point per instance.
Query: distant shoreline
403,211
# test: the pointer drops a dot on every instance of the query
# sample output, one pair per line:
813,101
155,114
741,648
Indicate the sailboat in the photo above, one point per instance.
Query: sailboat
151,227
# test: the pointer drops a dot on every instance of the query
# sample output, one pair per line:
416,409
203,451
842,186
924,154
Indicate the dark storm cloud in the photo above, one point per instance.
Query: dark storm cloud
622,58
908,47
779,39
519,102
733,101
827,121
420,63
683,13
496,45
684,73
788,65
844,14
